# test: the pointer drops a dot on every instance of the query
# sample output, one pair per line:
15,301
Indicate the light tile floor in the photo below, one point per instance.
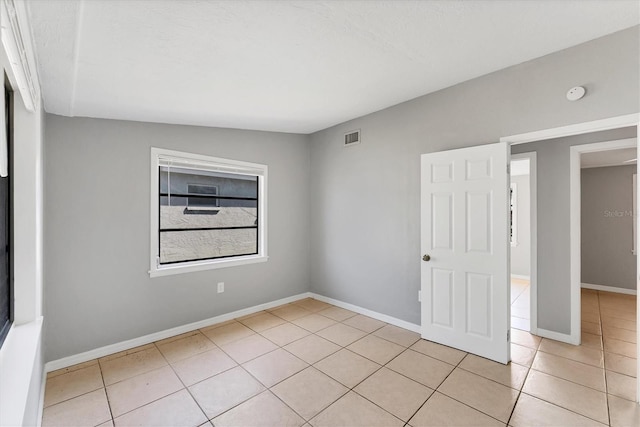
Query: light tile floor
520,304
309,363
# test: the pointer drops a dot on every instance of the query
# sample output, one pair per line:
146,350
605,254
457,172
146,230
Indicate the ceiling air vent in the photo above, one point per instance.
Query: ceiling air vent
352,138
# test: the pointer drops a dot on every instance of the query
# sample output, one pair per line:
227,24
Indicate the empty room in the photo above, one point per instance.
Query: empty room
319,213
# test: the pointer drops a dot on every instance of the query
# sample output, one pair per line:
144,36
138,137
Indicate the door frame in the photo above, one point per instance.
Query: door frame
533,238
610,123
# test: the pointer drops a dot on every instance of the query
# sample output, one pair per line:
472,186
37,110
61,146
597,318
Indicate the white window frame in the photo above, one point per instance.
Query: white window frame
224,165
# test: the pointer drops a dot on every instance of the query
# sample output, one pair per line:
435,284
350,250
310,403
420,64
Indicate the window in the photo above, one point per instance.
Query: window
6,222
206,212
202,202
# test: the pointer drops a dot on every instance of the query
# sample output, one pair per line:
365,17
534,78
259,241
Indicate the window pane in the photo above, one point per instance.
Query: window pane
202,190
184,217
234,186
206,214
5,284
178,246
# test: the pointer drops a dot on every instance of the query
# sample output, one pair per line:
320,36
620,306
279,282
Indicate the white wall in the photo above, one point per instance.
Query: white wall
21,359
365,213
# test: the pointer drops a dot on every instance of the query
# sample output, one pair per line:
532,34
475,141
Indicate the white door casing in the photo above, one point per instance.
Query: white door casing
465,236
617,122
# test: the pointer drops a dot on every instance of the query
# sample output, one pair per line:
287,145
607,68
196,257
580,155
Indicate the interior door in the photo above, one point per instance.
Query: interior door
465,246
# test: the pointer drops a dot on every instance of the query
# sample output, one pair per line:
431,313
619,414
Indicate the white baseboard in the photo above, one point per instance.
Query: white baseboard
557,336
520,276
609,289
147,339
374,314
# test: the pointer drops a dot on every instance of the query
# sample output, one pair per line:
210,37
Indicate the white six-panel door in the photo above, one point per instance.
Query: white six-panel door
465,249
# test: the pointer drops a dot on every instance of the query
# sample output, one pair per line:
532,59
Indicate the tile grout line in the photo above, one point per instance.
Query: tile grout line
175,373
552,403
489,379
106,395
79,395
182,382
197,331
604,361
239,365
570,410
435,390
561,407
198,354
574,360
380,366
513,409
607,371
411,379
285,403
352,389
520,392
568,380
104,387
189,334
349,389
284,379
312,366
155,369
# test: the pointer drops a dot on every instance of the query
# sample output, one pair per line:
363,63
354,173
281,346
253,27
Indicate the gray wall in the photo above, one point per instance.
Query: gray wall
97,290
365,209
607,227
521,253
353,211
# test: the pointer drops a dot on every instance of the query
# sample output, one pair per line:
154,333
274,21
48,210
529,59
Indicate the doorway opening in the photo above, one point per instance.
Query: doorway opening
606,214
630,121
520,241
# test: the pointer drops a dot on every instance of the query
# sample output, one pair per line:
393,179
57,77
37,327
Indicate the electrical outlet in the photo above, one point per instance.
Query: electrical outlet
220,287
419,296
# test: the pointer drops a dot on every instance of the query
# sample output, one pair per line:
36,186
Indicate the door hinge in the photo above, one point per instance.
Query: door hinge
508,169
508,336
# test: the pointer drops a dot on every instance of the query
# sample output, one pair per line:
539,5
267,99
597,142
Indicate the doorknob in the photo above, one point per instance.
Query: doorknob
426,257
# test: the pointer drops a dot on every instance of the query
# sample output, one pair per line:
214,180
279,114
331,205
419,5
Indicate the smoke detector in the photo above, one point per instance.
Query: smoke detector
575,93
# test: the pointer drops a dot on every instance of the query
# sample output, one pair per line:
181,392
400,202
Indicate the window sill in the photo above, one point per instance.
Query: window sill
17,361
190,267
